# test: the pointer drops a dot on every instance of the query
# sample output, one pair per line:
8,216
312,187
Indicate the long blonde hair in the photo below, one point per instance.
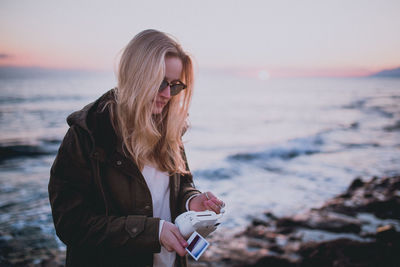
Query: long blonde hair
148,138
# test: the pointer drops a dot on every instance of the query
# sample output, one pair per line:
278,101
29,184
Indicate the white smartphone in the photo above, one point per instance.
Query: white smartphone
197,245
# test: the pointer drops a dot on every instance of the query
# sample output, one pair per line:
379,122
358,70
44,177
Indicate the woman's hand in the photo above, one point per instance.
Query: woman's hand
206,201
172,239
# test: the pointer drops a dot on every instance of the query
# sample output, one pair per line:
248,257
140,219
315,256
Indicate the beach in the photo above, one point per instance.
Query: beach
285,146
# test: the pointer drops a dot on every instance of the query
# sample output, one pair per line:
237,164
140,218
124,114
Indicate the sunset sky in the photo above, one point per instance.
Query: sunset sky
281,38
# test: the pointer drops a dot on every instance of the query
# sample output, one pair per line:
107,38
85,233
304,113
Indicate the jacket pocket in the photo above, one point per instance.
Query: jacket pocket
135,224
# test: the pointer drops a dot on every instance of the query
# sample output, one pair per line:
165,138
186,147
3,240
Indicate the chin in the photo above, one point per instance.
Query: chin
157,110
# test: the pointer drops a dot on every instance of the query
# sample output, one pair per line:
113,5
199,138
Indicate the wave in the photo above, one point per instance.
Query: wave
363,106
38,99
293,148
393,127
45,147
381,110
359,145
358,104
217,173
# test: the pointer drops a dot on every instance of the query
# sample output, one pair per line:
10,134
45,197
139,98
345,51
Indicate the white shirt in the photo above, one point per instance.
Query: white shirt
158,183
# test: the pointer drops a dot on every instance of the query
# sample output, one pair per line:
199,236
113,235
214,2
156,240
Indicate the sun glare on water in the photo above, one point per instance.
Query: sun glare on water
263,75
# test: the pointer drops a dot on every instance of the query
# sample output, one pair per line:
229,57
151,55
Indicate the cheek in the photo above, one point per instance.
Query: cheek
158,97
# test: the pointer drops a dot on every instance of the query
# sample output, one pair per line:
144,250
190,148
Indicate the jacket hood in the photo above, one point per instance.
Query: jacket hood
95,120
80,117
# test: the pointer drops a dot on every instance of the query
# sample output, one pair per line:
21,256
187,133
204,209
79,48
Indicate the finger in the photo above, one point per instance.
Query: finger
182,252
206,206
210,195
216,200
166,244
209,206
214,207
207,196
179,237
179,248
173,243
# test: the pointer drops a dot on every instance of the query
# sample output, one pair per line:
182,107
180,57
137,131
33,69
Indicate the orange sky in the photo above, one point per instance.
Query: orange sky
283,38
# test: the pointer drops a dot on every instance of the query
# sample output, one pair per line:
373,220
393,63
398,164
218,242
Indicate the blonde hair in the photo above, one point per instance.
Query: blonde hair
149,138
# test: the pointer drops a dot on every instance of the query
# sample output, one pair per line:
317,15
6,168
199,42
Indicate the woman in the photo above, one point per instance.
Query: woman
120,177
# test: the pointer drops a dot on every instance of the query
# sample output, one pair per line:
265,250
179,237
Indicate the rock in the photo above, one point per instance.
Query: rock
345,252
377,196
357,183
389,208
270,215
256,222
387,234
29,246
324,220
273,241
338,235
273,261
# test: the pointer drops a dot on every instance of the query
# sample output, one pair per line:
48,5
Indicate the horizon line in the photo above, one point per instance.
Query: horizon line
249,72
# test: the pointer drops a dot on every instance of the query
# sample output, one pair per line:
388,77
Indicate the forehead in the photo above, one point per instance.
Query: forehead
173,68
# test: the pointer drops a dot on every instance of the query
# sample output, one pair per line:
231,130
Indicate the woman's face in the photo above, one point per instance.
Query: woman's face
173,70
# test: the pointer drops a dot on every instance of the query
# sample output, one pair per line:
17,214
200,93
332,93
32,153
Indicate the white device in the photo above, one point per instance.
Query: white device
203,222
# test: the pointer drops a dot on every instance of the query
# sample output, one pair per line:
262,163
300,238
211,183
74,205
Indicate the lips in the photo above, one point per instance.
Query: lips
160,103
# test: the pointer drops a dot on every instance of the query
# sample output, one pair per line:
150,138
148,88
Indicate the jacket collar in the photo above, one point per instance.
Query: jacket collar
107,147
95,119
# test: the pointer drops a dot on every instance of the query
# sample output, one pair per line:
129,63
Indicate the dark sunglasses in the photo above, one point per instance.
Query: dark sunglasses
175,86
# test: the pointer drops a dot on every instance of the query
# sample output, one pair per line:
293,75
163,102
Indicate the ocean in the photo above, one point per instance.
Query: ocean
278,145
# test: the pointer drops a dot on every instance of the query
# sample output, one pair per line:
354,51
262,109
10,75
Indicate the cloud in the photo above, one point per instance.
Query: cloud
4,56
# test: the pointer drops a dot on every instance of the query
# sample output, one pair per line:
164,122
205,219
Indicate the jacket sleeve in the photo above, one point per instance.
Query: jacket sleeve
72,193
187,187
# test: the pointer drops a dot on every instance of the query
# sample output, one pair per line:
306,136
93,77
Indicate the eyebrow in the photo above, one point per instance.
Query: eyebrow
176,80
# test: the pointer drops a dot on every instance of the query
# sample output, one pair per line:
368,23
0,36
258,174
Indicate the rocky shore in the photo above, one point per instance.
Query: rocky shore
29,246
360,227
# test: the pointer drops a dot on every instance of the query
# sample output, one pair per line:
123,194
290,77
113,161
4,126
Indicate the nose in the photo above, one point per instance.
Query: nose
166,92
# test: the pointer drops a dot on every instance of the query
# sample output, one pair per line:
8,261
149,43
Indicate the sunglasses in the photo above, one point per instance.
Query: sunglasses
175,87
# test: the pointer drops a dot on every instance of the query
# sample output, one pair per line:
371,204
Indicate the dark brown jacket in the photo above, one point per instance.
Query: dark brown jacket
101,205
